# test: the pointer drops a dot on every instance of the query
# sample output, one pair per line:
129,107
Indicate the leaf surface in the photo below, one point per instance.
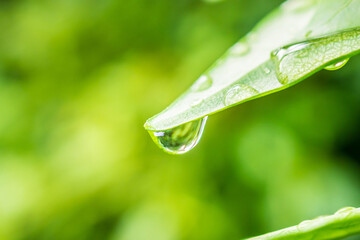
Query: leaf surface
248,70
344,223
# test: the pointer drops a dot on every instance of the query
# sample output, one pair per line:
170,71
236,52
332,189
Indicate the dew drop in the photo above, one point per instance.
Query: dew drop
252,36
238,93
345,210
204,82
284,56
304,225
240,49
337,65
298,60
196,102
180,139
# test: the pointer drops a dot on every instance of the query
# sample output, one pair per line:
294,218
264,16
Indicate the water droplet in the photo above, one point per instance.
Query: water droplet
299,60
283,56
196,102
238,93
345,210
304,225
337,65
240,49
220,61
180,139
252,36
204,82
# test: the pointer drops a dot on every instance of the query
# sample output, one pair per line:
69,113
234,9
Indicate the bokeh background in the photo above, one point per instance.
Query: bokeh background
78,79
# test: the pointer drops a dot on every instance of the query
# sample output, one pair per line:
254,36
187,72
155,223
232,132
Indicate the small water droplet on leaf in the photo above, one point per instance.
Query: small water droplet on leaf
336,66
240,49
345,210
204,82
238,93
304,225
283,56
196,102
298,60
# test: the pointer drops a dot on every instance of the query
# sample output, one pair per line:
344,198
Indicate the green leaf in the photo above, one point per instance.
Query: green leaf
343,223
326,32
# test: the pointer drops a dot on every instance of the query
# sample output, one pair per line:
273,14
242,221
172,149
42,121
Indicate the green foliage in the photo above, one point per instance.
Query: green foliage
246,71
79,78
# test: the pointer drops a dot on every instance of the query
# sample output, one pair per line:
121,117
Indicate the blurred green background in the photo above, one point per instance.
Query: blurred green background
78,79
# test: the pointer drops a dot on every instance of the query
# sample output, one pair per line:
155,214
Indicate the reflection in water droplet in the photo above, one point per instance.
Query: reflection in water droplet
204,82
180,139
298,60
345,210
240,49
266,70
238,93
337,65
